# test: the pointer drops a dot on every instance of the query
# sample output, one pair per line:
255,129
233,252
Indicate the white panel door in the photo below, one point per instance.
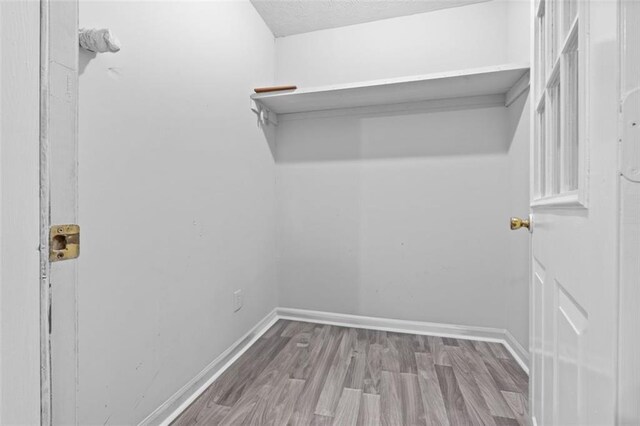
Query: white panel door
19,219
573,206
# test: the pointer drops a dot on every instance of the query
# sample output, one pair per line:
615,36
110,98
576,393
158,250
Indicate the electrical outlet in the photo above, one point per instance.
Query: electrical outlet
237,300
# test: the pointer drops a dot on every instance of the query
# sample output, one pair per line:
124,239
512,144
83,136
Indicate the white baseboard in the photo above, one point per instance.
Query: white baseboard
179,401
415,327
517,350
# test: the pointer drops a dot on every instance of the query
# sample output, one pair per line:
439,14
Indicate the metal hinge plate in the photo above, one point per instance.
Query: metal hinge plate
64,242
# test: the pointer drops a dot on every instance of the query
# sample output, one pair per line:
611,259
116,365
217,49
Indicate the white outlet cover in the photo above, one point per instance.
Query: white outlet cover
237,300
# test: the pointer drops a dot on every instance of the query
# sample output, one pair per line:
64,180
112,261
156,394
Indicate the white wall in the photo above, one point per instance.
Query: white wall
396,216
518,30
176,199
406,216
399,216
462,37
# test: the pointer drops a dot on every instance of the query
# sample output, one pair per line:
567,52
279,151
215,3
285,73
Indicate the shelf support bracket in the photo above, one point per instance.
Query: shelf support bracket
265,117
517,89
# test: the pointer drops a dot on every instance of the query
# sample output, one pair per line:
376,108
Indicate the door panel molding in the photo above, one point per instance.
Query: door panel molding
561,97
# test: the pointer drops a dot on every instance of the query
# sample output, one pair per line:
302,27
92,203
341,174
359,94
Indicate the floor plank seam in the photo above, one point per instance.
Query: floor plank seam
302,373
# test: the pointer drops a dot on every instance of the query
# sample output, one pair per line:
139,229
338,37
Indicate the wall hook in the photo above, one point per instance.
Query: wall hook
98,40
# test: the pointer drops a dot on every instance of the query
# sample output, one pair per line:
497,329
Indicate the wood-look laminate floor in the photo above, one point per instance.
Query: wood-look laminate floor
311,374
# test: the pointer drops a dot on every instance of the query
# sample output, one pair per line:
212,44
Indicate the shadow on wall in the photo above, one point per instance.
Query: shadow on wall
270,133
516,110
468,132
84,57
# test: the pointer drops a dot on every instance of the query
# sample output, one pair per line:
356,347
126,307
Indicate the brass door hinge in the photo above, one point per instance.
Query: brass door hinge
64,242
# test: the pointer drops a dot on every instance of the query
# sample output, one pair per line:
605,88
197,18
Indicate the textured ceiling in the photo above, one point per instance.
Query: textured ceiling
287,17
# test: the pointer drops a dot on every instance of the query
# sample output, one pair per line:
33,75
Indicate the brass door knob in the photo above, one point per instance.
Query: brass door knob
517,223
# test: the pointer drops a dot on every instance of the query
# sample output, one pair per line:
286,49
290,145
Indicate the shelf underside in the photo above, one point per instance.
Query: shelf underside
451,85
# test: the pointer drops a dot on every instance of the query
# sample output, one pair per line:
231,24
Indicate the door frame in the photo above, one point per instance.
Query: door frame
58,205
45,289
39,96
628,376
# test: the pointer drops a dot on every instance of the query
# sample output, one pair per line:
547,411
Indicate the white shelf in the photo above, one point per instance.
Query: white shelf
495,80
